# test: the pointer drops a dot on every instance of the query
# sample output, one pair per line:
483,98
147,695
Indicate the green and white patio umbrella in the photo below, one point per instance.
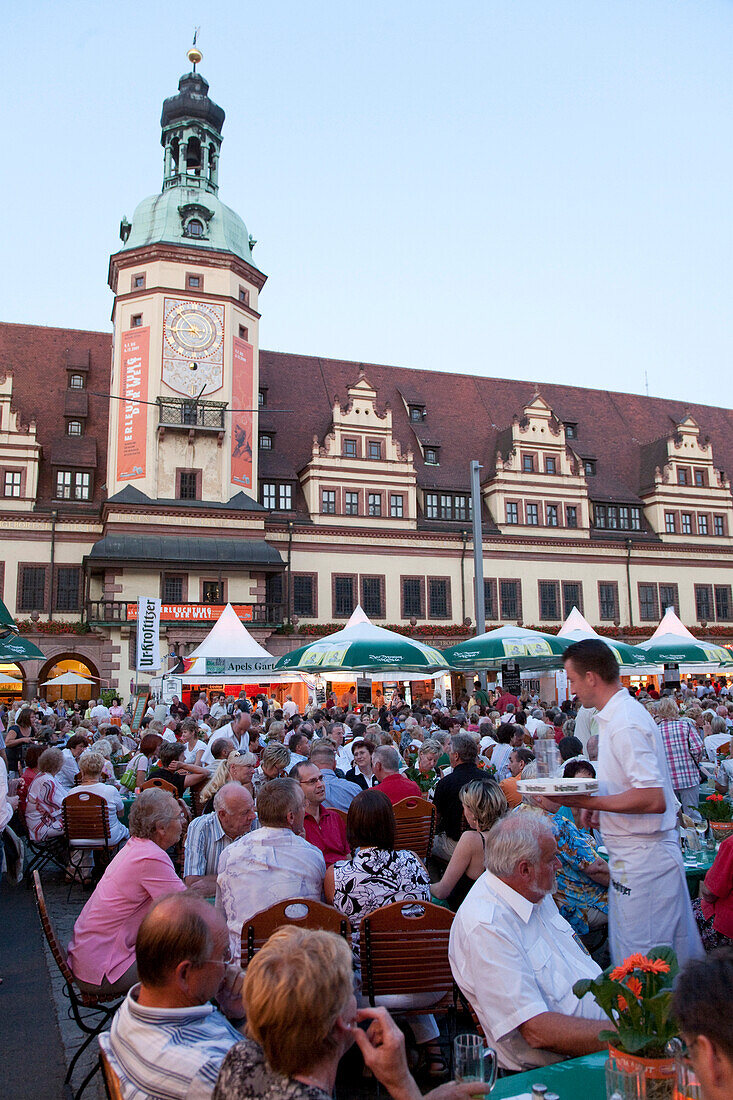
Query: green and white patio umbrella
12,644
576,628
363,647
673,644
531,649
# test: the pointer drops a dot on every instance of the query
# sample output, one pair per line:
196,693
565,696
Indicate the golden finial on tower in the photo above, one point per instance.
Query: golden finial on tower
194,55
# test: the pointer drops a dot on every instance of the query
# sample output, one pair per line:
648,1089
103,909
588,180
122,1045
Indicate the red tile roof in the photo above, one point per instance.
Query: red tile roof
38,358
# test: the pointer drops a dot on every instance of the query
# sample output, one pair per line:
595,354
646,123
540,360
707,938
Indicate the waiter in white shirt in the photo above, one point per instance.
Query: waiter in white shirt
649,904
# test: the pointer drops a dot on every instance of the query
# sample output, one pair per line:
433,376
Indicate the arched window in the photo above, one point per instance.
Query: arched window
74,427
194,228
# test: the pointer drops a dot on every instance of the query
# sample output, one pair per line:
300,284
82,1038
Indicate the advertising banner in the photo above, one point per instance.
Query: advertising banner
194,612
242,422
238,666
148,635
132,415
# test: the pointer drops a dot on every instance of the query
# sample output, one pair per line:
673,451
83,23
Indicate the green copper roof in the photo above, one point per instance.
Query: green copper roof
162,218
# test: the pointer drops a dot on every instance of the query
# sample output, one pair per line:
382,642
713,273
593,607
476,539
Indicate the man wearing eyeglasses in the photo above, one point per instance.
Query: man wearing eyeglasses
323,828
701,1006
167,1039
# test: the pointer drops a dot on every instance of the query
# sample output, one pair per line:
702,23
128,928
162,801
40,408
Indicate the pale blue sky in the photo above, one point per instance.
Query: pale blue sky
537,189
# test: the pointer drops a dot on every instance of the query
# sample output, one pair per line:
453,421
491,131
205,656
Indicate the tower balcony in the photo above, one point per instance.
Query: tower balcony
184,414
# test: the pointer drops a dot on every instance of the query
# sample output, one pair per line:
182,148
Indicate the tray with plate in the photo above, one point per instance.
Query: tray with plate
557,786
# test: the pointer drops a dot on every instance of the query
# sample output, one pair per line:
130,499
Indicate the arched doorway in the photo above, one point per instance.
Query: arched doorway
10,692
79,666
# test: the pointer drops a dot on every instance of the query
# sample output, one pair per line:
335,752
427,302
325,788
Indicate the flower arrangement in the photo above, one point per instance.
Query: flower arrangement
637,998
717,808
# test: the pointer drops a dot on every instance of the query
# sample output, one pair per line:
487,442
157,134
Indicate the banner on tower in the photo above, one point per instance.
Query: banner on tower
242,422
132,423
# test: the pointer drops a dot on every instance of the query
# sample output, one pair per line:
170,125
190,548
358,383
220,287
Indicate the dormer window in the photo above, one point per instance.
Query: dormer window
76,381
683,475
571,430
375,448
194,228
266,441
432,456
589,467
417,413
700,478
350,449
74,427
528,464
550,465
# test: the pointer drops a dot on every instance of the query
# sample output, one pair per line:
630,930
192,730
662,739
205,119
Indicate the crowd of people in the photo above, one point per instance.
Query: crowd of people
260,804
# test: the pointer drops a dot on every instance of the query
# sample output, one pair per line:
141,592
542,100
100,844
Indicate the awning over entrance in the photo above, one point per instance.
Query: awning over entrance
184,550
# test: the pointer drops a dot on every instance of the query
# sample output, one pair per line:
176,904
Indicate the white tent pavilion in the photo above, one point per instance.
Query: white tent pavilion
239,658
577,627
673,644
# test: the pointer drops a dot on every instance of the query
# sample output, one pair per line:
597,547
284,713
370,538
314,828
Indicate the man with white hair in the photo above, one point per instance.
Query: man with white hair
516,959
209,834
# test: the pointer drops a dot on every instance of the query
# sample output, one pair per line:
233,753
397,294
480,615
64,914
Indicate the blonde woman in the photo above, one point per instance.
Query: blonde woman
483,803
275,759
91,780
239,767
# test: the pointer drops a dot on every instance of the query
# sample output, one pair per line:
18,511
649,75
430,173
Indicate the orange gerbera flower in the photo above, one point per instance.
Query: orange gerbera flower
654,966
622,1005
634,985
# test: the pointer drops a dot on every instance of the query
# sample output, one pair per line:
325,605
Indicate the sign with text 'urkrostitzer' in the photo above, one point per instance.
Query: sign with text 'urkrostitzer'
148,635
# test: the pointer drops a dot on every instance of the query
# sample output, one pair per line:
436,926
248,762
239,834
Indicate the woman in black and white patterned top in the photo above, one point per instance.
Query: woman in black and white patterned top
378,875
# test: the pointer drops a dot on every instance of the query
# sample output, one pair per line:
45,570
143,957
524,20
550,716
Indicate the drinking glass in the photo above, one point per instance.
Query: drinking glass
548,758
688,1085
473,1061
625,1084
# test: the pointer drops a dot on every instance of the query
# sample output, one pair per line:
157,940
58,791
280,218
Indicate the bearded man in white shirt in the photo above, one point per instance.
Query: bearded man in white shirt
516,959
637,809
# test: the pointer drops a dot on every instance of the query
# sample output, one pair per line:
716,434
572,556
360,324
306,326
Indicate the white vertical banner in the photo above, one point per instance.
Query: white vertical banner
148,635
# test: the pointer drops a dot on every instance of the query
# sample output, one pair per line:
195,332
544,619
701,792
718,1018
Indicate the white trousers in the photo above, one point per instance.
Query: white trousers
648,901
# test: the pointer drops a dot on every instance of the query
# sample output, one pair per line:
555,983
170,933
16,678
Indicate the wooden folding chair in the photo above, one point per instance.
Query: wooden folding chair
111,1080
92,1014
86,828
161,784
300,912
404,951
415,821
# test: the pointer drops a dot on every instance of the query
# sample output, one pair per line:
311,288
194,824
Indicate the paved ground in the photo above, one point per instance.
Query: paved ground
37,1036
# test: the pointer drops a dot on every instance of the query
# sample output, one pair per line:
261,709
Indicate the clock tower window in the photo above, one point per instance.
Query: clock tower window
194,282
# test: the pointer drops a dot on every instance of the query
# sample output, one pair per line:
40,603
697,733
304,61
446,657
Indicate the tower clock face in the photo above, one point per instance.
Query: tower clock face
193,346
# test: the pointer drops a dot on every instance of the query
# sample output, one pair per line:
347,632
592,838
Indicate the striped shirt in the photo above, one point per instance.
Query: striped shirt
168,1053
205,841
683,747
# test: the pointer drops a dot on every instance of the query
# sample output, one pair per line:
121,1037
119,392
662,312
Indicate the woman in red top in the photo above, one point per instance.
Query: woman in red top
714,908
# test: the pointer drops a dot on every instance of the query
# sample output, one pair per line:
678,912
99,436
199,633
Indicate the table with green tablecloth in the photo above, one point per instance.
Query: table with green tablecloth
578,1079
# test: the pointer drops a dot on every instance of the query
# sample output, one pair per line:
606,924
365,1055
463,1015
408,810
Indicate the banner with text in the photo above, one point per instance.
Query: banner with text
242,422
195,612
148,635
132,422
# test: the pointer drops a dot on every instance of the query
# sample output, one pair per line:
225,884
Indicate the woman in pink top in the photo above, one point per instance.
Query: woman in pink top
102,947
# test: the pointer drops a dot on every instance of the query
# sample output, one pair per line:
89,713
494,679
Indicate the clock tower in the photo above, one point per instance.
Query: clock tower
185,370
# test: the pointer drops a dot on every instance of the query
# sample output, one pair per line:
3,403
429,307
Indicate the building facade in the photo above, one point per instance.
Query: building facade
174,458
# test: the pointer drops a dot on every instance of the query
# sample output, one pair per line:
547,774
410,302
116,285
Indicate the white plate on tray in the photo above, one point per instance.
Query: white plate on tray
557,786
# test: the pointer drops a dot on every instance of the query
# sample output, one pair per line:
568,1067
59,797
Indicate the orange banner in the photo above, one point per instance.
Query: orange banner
242,444
132,423
194,612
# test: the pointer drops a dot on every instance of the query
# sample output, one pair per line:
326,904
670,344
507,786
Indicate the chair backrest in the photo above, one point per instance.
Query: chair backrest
86,816
48,931
161,784
197,802
342,814
301,912
404,949
111,1080
415,821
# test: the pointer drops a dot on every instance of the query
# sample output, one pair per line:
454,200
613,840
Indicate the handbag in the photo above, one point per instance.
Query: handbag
128,779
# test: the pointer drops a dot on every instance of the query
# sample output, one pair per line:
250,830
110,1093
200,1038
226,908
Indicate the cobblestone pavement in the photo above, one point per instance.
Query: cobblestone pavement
51,1054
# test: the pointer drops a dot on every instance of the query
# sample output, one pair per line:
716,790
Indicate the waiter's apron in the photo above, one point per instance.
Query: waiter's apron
648,901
